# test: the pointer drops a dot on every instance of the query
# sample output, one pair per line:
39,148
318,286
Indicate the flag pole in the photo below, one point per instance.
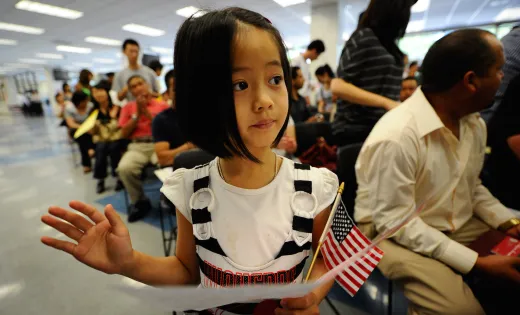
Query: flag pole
327,227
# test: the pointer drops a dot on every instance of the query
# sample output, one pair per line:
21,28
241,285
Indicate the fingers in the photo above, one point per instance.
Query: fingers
299,303
87,210
73,218
118,227
67,247
63,227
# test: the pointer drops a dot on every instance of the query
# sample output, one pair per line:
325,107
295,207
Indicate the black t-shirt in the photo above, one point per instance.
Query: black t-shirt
299,111
502,168
165,128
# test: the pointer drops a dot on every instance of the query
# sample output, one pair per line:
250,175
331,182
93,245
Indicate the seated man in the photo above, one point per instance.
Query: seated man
299,110
136,123
167,134
408,87
429,152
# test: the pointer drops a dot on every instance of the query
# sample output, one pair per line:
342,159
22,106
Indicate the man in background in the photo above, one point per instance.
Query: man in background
110,78
135,121
131,50
428,153
314,50
408,87
167,134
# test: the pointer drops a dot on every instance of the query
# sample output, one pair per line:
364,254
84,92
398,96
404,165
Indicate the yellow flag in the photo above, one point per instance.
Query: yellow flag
88,124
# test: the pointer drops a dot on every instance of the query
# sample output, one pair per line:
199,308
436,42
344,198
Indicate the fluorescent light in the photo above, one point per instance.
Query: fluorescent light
286,3
32,61
103,41
143,30
17,65
345,36
508,14
421,6
49,56
168,60
416,26
74,49
162,50
190,11
307,19
42,8
10,42
104,60
21,28
498,3
83,64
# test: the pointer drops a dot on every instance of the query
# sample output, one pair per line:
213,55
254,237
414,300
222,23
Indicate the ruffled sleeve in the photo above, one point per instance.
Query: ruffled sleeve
328,188
174,188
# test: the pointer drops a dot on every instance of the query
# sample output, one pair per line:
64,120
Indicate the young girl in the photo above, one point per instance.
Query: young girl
249,216
326,99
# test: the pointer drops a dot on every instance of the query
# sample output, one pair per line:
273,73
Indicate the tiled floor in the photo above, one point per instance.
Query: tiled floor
39,168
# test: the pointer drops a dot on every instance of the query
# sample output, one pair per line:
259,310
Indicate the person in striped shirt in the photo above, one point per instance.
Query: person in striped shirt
370,70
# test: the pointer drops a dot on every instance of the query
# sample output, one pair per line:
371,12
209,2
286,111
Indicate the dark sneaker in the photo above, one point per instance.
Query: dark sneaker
100,187
139,210
119,185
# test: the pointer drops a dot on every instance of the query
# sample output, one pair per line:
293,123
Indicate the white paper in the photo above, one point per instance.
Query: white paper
184,298
163,173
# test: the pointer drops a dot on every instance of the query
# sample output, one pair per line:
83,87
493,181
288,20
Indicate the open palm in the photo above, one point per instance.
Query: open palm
103,243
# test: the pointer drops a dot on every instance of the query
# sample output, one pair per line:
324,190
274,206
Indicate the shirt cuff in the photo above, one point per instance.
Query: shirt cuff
459,257
497,215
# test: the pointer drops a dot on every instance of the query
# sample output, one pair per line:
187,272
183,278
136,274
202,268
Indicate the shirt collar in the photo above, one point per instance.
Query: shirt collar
424,114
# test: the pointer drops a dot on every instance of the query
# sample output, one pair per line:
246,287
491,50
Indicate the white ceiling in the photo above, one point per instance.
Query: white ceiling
104,18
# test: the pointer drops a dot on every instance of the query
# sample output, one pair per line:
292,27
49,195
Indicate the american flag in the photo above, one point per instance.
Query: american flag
344,240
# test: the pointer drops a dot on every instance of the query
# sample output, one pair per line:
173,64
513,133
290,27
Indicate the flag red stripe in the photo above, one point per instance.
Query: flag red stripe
343,283
367,241
360,278
354,269
349,253
355,233
352,238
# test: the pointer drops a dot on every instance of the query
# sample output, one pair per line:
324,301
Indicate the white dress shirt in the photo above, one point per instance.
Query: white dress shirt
410,159
301,62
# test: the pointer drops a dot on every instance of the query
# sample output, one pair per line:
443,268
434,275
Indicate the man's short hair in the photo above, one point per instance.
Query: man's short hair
78,97
318,45
414,63
155,65
170,74
135,76
129,41
110,74
454,55
294,72
411,79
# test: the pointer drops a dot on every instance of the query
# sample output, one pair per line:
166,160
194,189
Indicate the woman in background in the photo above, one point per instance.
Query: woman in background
85,76
326,99
370,70
75,114
106,135
67,93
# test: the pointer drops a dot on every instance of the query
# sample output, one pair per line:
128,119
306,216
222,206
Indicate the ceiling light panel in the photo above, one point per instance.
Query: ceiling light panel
162,50
47,9
74,49
32,61
286,3
143,30
10,42
508,14
190,11
50,56
104,60
21,28
103,41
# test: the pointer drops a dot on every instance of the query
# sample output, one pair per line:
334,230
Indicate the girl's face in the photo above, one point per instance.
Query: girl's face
60,99
261,98
100,95
323,79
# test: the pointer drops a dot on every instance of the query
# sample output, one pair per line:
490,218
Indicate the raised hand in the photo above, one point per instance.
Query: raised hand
103,244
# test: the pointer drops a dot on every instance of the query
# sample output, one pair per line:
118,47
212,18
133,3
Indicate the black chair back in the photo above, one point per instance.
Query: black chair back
347,157
191,159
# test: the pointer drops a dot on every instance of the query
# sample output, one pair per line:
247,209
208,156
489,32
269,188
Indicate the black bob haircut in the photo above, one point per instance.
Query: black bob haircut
325,69
454,55
207,114
170,74
318,45
129,41
78,97
155,64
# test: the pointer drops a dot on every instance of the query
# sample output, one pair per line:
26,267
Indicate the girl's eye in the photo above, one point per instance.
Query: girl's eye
240,86
276,80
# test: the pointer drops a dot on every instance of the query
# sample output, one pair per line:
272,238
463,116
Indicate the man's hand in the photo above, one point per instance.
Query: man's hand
514,232
504,267
142,103
307,305
389,105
